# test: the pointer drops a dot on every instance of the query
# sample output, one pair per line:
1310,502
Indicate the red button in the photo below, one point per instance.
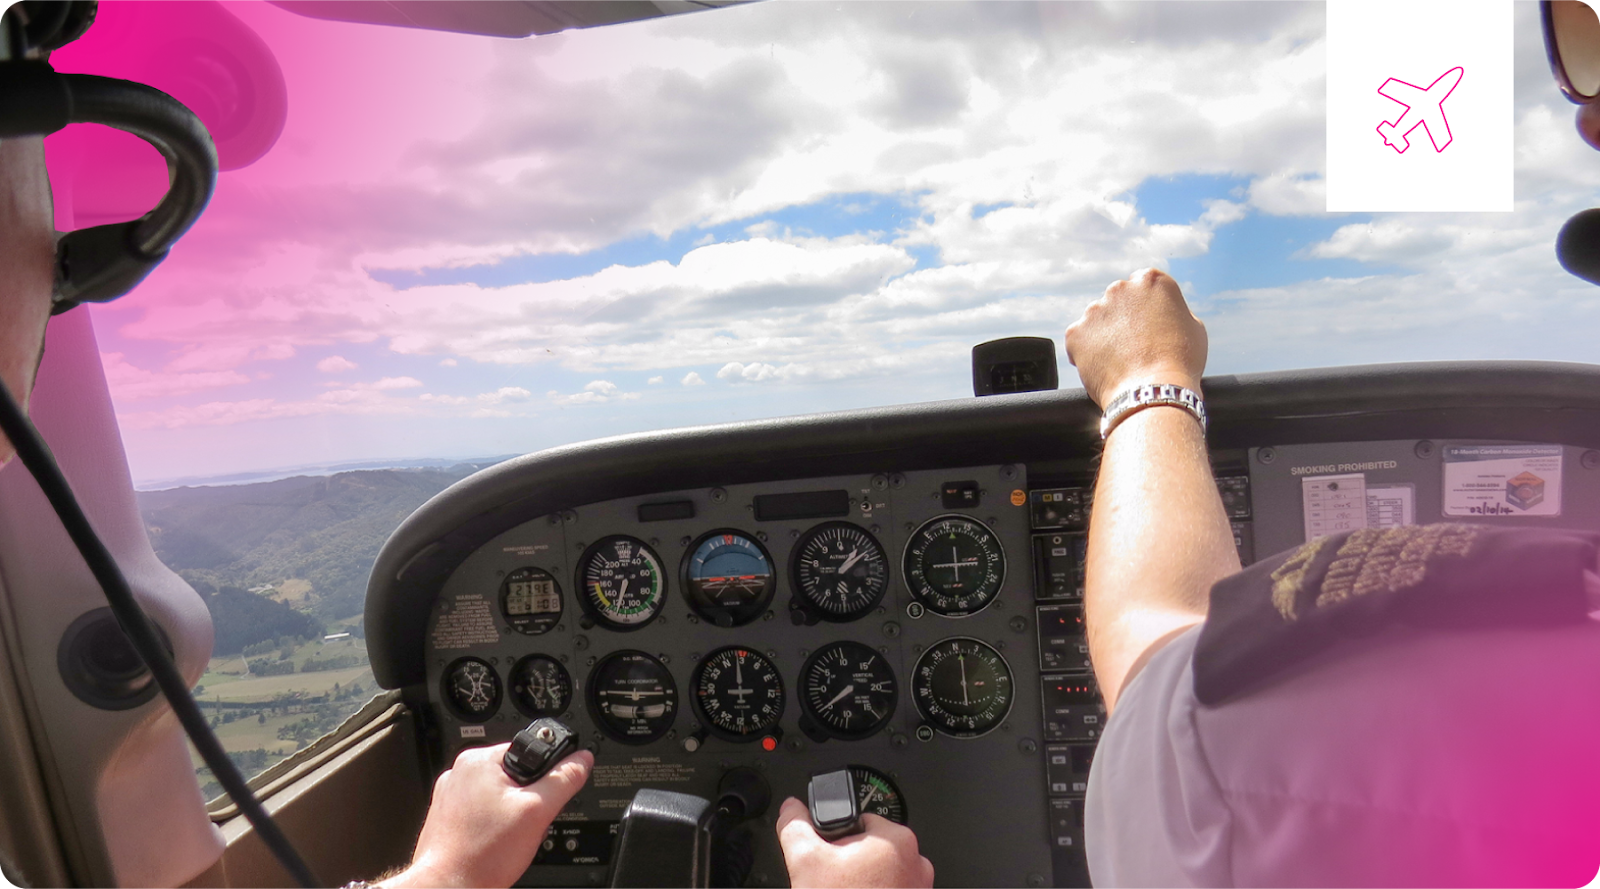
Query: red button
769,743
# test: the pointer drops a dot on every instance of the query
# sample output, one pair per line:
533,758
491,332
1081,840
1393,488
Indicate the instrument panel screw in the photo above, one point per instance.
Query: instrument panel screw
694,620
899,741
694,656
655,541
761,536
1008,471
1266,455
568,515
909,526
1423,450
891,629
1019,624
683,541
1028,745
664,658
794,533
719,495
1035,881
1590,460
880,482
768,615
896,480
772,654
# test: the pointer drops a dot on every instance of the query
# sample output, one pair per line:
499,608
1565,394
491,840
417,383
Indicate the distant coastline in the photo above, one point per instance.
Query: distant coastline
319,469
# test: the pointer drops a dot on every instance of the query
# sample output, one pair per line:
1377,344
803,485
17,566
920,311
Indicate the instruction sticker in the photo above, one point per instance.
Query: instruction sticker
1334,503
1391,506
1502,480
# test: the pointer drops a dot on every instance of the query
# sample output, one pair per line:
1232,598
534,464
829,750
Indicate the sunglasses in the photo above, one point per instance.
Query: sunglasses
1572,40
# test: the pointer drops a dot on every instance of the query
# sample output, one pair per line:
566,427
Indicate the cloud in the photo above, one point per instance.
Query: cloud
335,364
130,383
770,139
596,392
757,372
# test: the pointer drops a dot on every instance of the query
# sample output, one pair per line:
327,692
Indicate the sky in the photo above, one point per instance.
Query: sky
465,246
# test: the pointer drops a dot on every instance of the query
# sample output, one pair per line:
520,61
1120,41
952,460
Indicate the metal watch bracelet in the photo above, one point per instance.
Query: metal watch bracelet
1137,398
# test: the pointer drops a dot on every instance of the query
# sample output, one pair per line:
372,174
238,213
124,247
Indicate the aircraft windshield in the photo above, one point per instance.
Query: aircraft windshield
462,247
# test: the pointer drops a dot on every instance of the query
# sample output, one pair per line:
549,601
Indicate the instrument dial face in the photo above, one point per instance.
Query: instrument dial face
622,582
962,687
840,570
728,578
877,793
955,565
471,689
632,697
738,693
540,686
530,600
848,689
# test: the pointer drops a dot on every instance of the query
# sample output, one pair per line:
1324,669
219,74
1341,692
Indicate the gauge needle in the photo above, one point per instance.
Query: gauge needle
961,660
850,561
869,796
838,697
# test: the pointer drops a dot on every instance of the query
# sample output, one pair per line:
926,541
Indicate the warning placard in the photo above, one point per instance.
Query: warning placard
1502,480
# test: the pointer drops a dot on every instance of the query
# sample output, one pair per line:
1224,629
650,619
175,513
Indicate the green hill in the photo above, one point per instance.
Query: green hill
305,542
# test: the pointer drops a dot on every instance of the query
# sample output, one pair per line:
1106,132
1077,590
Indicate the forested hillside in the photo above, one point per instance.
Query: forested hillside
302,543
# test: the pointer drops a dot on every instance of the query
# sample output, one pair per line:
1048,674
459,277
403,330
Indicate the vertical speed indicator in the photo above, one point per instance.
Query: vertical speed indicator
955,565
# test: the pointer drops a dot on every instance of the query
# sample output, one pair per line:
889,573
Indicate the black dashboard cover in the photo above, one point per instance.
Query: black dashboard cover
1284,611
1551,402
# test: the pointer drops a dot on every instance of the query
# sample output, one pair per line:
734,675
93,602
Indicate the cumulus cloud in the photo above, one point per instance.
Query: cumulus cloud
130,383
596,392
336,364
759,372
1014,164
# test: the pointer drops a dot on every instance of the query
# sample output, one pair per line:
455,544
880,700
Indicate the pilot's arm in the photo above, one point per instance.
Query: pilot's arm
27,265
1159,537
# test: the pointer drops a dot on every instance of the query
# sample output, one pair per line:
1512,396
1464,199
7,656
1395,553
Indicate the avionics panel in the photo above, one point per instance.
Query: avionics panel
879,621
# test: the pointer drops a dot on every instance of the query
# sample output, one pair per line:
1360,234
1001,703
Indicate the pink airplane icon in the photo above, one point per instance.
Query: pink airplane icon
1424,108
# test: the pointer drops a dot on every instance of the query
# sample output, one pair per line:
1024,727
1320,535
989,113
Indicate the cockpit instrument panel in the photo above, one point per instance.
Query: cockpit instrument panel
883,623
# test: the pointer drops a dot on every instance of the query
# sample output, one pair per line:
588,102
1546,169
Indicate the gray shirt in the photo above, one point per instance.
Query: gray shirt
1457,758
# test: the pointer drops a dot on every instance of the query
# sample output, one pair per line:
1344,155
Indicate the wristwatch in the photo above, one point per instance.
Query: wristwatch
1137,398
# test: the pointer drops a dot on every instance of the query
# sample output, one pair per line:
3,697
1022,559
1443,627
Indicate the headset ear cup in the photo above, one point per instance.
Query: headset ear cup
64,22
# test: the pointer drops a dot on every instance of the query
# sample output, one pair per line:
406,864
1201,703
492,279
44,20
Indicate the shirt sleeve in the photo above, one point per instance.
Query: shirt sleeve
1408,758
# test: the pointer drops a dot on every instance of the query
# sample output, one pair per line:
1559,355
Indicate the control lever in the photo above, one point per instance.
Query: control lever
537,749
831,796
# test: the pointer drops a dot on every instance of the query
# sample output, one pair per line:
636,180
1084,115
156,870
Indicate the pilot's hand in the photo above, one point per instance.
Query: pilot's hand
482,829
1140,332
884,854
27,265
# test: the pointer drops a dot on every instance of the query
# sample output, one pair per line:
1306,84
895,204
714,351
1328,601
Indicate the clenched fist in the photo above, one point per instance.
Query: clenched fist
884,854
1140,332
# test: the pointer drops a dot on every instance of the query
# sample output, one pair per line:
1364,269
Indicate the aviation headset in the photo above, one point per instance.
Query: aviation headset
101,263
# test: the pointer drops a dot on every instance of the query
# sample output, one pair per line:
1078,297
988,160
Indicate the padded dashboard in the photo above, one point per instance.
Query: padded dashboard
462,599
